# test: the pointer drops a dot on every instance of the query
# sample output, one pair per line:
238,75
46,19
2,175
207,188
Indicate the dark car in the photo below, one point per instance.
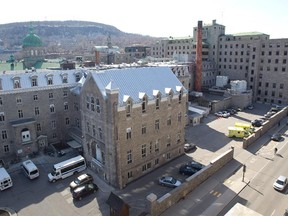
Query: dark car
257,122
276,137
84,190
196,165
80,180
187,170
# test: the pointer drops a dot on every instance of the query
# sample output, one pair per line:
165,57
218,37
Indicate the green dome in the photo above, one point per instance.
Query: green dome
32,40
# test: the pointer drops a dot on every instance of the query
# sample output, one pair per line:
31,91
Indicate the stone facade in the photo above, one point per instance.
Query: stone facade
124,141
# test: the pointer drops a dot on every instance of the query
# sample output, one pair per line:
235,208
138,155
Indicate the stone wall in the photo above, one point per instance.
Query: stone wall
157,206
274,120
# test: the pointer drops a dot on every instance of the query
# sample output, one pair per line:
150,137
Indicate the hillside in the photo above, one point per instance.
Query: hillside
75,36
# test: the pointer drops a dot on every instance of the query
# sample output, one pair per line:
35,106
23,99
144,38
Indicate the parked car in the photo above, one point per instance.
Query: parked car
84,190
169,181
257,122
276,137
189,146
196,165
187,170
280,183
80,180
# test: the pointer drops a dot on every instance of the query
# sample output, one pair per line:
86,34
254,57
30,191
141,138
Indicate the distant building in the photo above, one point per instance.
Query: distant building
33,52
251,56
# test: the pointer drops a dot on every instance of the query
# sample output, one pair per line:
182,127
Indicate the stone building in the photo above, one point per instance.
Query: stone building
249,56
37,109
132,121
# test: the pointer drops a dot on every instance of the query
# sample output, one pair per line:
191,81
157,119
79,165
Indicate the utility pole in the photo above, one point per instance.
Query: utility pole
244,170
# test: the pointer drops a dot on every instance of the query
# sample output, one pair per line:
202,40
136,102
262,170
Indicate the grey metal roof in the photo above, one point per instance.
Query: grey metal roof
133,81
25,79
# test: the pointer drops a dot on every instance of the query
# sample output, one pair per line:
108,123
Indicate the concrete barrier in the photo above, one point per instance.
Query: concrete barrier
157,206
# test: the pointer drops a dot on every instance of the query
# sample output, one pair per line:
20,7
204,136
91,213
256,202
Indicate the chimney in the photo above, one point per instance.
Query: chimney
198,75
97,57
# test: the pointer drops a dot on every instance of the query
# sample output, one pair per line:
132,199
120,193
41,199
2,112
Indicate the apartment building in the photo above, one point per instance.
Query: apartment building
133,121
250,56
37,109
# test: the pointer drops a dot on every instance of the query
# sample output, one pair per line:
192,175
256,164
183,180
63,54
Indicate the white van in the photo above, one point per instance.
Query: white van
30,169
5,179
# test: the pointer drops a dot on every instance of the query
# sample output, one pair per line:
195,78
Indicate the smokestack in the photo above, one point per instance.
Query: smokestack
97,57
198,75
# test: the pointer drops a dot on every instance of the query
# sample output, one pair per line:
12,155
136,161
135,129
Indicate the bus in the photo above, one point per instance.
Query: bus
67,168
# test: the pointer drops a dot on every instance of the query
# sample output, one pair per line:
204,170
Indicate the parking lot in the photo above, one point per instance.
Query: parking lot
39,197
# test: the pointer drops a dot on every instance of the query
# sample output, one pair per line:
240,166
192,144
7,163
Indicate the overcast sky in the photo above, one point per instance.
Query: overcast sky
157,17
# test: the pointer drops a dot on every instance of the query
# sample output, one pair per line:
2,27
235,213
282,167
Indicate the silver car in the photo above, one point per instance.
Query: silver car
169,181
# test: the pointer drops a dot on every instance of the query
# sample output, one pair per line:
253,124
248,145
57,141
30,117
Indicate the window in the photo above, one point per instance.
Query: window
4,135
97,105
25,133
168,141
128,133
87,102
18,100
1,101
180,96
129,156
52,108
274,85
169,121
178,137
53,124
157,146
34,82
100,133
144,104
50,95
129,175
66,106
157,101
157,124
17,84
143,129
65,93
20,114
88,127
35,97
50,80
67,121
38,127
179,117
37,112
128,108
6,148
143,150
281,86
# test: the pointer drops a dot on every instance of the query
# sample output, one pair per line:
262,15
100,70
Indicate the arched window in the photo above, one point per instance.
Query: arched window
25,134
128,108
144,104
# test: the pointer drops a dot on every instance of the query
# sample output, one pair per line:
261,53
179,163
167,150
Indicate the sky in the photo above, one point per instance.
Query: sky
157,18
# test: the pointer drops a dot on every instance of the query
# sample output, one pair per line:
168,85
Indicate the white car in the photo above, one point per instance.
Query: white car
280,183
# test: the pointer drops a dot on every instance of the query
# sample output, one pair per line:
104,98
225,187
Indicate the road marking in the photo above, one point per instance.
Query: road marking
273,212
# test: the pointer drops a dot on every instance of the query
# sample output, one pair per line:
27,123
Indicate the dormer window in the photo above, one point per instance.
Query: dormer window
127,99
77,77
49,79
169,94
64,77
157,96
34,81
52,108
128,108
144,99
16,82
179,89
